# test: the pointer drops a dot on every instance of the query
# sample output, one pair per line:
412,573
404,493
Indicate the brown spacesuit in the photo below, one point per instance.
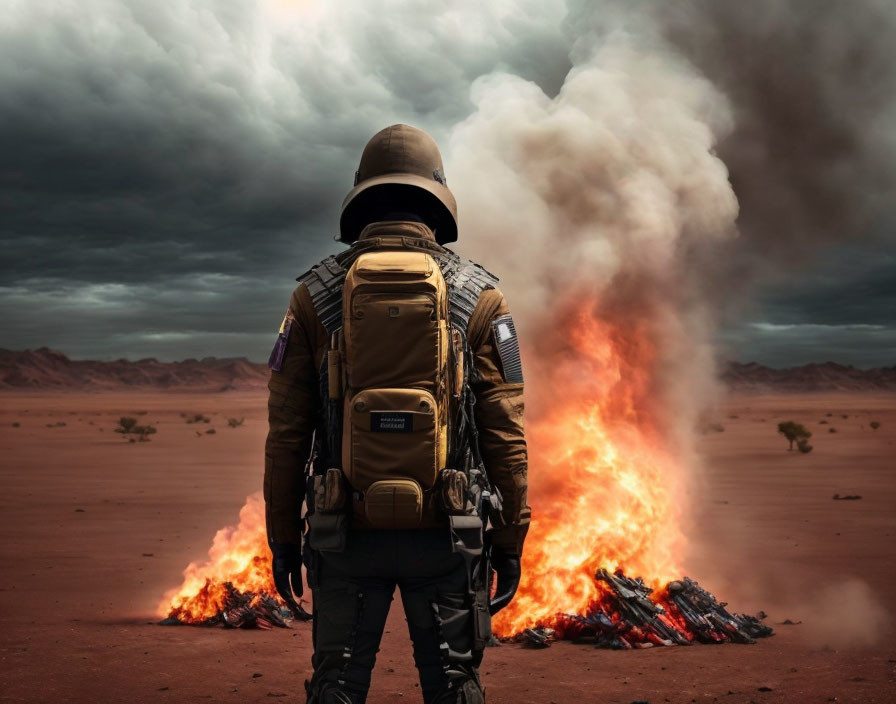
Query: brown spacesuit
400,203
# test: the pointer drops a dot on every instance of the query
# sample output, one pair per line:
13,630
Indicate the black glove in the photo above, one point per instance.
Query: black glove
287,568
507,567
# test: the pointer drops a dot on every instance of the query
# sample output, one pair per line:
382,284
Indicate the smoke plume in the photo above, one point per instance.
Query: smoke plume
599,203
611,206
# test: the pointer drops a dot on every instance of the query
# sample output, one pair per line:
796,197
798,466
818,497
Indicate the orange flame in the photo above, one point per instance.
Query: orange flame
602,478
239,555
603,484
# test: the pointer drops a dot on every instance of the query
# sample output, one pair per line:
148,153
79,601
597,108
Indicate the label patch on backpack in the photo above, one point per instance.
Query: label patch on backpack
508,349
391,422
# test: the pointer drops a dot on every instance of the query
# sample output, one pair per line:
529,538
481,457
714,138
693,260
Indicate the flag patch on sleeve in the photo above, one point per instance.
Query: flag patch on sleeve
508,349
275,361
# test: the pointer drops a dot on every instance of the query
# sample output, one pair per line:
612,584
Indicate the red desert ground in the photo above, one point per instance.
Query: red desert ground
96,529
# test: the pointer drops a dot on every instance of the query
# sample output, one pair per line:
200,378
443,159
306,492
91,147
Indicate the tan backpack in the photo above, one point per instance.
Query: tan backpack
396,380
394,349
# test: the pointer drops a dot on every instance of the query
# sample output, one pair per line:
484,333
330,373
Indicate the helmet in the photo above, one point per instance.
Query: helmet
400,168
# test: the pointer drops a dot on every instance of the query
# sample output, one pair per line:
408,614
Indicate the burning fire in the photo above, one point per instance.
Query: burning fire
239,556
602,480
603,487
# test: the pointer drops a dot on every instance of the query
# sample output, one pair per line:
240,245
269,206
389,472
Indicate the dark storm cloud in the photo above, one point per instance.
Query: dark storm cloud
169,168
852,286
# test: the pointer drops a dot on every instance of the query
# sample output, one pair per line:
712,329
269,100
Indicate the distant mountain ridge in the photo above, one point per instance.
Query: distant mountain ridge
52,370
825,376
49,369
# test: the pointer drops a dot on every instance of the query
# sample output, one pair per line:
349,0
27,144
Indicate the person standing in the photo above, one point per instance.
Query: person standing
396,415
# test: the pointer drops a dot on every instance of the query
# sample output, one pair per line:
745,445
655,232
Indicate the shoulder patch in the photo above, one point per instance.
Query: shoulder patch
275,361
508,348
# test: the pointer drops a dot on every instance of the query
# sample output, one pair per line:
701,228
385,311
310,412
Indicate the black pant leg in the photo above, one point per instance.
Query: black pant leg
435,593
351,603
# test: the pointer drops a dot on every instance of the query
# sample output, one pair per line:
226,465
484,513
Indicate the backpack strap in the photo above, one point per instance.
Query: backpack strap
466,281
324,283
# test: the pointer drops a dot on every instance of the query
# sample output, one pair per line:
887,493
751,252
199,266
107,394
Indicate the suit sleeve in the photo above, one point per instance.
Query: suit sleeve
292,418
499,419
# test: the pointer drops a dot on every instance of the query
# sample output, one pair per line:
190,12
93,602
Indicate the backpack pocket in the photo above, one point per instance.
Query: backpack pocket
394,504
396,339
392,434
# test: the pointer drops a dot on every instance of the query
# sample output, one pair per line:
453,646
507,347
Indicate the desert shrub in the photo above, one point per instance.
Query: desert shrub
832,429
829,415
234,423
128,426
145,430
804,447
210,431
734,416
794,432
874,425
59,424
845,416
16,424
140,413
198,418
822,422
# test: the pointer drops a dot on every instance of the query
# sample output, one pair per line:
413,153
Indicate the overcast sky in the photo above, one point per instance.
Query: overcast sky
170,166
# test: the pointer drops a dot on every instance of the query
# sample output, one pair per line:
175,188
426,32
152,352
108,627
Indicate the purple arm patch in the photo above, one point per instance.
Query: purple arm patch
275,361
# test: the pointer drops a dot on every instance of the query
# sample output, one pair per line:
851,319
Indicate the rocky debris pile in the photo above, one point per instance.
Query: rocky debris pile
630,615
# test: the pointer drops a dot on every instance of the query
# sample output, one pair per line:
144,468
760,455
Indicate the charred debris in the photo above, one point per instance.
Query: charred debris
631,616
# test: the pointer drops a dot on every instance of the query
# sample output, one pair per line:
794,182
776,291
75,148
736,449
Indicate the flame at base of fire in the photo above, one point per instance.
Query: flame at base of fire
239,559
234,588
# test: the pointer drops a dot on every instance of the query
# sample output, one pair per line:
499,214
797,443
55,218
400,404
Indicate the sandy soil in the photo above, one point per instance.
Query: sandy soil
94,530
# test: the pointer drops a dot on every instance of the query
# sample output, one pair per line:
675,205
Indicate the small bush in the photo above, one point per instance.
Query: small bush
16,424
832,429
829,415
874,425
234,423
198,418
128,426
822,422
210,431
794,432
845,416
804,447
60,424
